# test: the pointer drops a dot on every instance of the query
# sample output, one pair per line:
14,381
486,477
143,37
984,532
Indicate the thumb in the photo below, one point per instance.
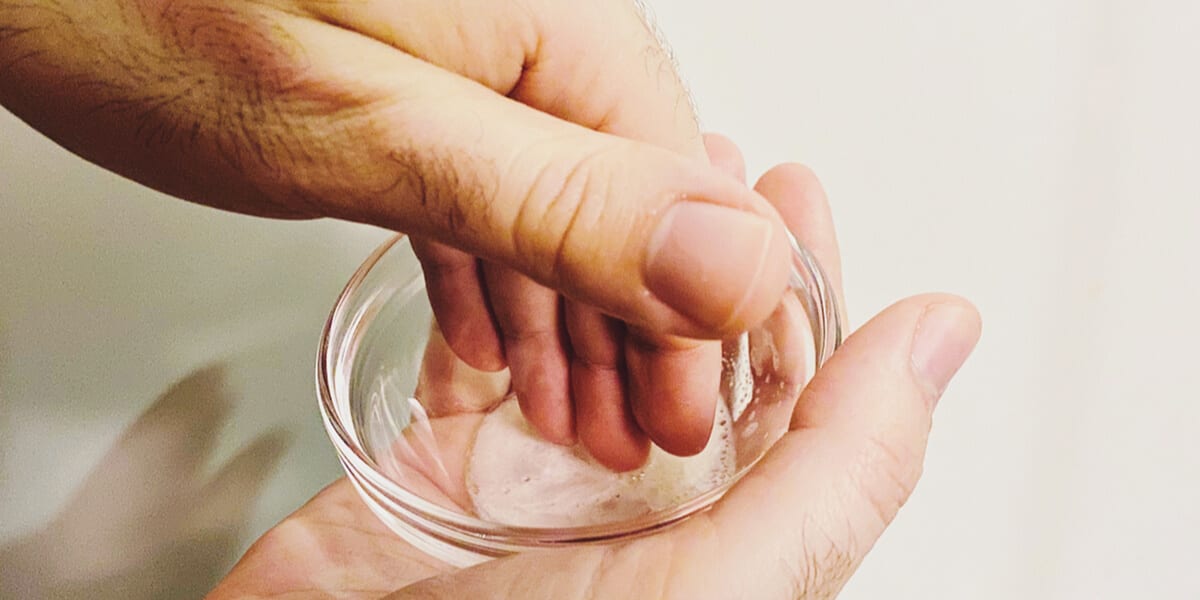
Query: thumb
810,511
658,239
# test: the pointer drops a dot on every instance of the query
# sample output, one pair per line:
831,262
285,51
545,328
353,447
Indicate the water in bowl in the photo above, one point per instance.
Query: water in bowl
456,437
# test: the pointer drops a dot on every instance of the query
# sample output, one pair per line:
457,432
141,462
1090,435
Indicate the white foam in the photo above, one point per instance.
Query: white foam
516,478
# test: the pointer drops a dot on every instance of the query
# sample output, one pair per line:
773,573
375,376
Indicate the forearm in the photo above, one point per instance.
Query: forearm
156,91
59,57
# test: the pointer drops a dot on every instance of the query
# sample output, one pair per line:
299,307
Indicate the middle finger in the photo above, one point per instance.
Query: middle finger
529,318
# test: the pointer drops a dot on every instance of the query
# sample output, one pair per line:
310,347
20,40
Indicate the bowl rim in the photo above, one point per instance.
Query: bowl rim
826,321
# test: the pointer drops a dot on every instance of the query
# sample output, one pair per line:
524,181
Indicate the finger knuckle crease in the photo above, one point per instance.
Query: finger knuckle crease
565,202
888,474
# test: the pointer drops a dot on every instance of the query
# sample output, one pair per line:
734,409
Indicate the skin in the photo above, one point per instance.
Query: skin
796,527
536,150
541,152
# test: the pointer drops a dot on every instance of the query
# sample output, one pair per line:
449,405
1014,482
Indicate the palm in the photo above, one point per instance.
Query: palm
334,547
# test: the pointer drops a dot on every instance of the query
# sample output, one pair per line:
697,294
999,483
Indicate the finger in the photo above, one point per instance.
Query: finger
673,389
459,302
786,337
529,317
798,195
603,418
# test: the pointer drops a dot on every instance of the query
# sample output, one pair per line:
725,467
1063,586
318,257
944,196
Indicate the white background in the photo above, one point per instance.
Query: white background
1040,157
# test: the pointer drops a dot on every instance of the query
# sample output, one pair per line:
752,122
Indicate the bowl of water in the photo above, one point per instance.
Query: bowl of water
442,455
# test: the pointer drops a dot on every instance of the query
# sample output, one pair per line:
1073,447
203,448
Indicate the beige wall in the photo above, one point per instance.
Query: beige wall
1037,156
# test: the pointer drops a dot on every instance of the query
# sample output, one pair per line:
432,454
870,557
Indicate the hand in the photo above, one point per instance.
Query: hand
552,138
796,526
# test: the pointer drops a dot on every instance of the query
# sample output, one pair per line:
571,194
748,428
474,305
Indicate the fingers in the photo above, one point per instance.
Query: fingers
597,90
674,391
603,417
630,90
529,317
545,57
825,492
625,227
621,225
459,303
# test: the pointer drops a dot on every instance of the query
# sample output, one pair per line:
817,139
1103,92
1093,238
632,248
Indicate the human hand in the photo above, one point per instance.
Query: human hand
796,526
552,138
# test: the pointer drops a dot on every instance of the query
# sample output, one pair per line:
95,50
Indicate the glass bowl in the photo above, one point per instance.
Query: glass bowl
440,453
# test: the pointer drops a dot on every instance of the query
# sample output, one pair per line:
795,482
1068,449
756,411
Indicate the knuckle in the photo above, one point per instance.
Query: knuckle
439,260
531,335
886,475
417,189
596,339
280,116
568,199
238,43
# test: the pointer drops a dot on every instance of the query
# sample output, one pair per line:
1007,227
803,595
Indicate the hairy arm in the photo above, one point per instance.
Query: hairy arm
200,100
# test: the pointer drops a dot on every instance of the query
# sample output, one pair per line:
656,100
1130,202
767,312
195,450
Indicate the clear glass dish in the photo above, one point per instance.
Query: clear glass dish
416,459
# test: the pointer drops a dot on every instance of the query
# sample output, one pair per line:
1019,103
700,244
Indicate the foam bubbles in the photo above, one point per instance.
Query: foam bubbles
516,478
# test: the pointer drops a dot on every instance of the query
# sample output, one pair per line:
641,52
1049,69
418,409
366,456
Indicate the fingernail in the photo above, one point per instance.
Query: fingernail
706,260
945,336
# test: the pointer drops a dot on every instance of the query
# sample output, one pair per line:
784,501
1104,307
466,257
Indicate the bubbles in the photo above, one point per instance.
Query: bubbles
742,379
564,487
750,429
